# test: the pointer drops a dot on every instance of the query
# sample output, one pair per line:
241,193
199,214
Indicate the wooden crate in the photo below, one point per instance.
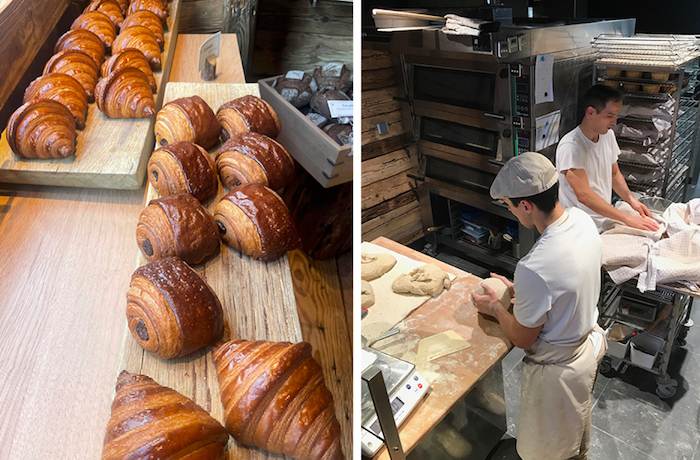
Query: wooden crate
110,153
329,163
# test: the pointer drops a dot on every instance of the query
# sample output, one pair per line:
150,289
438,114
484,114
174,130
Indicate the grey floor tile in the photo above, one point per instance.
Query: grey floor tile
606,447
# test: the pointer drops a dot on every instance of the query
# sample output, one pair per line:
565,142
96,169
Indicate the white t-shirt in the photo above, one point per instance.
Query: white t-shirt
576,151
557,283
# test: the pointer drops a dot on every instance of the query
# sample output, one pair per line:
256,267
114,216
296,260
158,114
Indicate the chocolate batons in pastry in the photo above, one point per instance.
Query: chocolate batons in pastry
187,119
99,24
109,7
61,88
125,93
253,157
171,311
150,421
42,128
177,225
79,66
157,7
130,58
82,40
248,114
142,39
147,19
183,167
275,398
254,220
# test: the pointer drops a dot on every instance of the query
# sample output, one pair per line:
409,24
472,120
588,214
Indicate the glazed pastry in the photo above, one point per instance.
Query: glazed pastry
82,40
187,119
156,422
183,167
275,398
79,66
125,93
98,23
142,39
123,6
157,7
253,157
60,88
109,7
177,225
248,114
147,19
171,311
130,58
254,220
42,128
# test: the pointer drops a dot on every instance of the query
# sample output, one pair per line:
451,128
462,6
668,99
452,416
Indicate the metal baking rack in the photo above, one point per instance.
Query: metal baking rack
630,65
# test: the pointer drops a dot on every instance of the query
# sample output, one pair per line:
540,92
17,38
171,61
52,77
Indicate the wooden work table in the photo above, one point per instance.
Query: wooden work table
453,376
66,259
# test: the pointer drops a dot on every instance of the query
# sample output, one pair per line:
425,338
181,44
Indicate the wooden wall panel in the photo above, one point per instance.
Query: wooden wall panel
201,16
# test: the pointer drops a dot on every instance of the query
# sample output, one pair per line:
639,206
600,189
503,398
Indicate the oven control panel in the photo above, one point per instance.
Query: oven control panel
524,144
522,96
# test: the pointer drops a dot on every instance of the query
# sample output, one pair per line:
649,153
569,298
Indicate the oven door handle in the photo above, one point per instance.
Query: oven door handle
495,116
496,162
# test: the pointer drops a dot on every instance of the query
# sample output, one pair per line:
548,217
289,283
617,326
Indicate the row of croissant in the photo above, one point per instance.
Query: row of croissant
273,393
56,103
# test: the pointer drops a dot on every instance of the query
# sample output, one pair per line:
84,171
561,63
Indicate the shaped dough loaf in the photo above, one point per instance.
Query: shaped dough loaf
425,280
367,294
375,265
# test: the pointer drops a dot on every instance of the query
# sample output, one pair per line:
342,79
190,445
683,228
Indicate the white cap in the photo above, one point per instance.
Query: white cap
525,175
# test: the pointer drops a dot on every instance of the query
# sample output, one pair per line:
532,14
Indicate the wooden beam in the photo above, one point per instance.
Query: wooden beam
239,18
389,205
384,189
380,78
382,147
379,101
373,60
201,16
389,165
397,224
370,133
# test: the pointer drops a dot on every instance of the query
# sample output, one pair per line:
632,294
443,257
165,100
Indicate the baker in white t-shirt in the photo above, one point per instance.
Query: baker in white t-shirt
587,163
556,289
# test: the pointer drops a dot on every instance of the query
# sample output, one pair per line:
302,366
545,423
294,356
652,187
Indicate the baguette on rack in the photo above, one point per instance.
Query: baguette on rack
61,88
78,65
99,24
183,167
187,119
82,40
125,93
275,398
248,114
42,128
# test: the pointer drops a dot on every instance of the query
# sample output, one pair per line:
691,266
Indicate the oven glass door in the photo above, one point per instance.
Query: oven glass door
464,137
463,88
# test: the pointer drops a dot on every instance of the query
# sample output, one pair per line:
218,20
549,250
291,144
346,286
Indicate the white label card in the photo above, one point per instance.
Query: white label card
547,130
210,47
340,108
295,75
544,91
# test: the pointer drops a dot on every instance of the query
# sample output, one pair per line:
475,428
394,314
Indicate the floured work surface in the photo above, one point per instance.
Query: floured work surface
389,307
257,299
452,376
110,153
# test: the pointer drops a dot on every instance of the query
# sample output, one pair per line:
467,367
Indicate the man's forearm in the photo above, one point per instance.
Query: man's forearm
619,185
512,328
602,207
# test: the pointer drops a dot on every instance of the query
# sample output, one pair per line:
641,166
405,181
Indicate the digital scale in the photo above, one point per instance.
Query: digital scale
405,388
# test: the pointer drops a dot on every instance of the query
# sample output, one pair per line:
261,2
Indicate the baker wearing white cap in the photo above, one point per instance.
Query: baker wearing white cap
556,289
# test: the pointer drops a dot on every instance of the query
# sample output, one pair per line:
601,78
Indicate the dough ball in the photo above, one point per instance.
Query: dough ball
366,294
375,265
499,287
426,280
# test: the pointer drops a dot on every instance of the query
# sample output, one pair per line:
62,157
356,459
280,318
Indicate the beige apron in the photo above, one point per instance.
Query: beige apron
555,399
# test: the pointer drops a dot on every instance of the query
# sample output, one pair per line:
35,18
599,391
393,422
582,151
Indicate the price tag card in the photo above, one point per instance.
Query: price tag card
340,108
210,47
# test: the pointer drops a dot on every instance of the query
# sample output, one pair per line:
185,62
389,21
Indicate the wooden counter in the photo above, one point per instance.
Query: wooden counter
451,377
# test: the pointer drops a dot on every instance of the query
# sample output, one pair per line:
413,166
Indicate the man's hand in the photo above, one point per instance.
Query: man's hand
642,223
508,283
487,303
640,208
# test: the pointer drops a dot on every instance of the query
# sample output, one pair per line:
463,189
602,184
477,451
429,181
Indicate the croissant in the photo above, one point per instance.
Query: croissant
248,113
109,7
125,93
187,119
130,58
275,398
123,6
253,157
60,88
157,7
254,220
98,23
42,128
183,167
142,39
147,19
177,225
171,311
156,422
82,40
79,66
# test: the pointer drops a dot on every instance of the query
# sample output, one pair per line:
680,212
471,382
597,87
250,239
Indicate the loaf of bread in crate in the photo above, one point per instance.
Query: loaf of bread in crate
187,119
157,7
42,128
296,87
110,8
171,311
125,93
61,88
78,65
147,19
130,58
333,75
142,39
183,167
248,114
319,102
82,40
99,24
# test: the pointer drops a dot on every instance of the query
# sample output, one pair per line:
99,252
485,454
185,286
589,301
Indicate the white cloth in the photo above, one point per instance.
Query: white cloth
576,151
557,283
457,25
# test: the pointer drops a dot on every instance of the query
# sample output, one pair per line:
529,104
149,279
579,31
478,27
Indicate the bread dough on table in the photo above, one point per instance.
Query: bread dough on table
366,295
499,288
375,265
426,280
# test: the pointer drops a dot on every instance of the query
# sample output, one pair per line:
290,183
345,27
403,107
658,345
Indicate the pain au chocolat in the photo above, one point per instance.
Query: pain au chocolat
187,119
248,114
183,167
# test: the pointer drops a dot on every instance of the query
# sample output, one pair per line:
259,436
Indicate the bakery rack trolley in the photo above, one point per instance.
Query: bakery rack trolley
653,71
671,332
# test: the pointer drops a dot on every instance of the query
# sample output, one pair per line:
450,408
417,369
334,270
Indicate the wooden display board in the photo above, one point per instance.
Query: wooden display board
110,153
257,298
